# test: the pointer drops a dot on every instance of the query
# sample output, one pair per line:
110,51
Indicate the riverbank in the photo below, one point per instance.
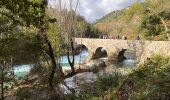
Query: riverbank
103,68
102,63
93,70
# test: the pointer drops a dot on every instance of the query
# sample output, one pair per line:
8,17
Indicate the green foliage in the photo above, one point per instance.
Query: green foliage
22,94
27,10
154,21
18,27
95,69
56,38
111,16
92,32
136,9
151,80
151,26
104,83
102,86
19,41
80,27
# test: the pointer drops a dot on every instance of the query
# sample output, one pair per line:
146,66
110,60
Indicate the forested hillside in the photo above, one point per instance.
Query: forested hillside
149,20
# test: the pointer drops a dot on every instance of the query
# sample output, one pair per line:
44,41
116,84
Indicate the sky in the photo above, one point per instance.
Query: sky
92,10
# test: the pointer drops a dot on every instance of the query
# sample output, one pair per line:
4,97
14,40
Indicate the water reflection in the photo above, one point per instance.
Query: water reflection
129,61
126,63
22,70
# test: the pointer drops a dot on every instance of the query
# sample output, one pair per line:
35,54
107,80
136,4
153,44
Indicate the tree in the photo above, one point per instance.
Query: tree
25,14
158,9
67,20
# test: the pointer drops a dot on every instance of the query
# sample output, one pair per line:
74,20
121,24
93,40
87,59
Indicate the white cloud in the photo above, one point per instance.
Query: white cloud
95,9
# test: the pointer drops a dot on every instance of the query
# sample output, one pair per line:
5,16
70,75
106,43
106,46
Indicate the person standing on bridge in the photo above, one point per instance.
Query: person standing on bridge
125,38
118,37
114,37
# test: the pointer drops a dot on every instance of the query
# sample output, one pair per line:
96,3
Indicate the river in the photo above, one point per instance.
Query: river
22,70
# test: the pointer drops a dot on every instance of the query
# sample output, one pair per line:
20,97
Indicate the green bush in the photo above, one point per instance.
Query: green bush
95,69
150,81
98,89
22,94
107,82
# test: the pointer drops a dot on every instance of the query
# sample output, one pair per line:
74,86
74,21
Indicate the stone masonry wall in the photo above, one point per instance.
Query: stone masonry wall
144,49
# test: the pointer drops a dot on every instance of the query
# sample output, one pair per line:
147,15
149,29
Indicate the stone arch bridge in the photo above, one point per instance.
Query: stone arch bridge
143,49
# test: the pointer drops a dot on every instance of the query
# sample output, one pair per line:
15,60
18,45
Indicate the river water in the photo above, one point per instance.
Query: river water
79,59
130,60
22,70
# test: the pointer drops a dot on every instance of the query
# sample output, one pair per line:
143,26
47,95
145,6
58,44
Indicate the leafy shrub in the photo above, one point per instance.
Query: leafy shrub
102,86
106,82
149,81
95,69
22,94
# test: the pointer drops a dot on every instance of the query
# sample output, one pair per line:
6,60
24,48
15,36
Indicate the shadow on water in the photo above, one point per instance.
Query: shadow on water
129,61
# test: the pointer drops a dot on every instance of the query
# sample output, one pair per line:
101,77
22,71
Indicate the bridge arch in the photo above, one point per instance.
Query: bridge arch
100,52
121,56
126,54
80,47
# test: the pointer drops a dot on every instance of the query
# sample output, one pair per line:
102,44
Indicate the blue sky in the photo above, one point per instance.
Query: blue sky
95,9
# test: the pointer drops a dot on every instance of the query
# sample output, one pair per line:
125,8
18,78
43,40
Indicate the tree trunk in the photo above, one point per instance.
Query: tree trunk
54,64
2,83
60,71
13,77
43,32
73,54
13,73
